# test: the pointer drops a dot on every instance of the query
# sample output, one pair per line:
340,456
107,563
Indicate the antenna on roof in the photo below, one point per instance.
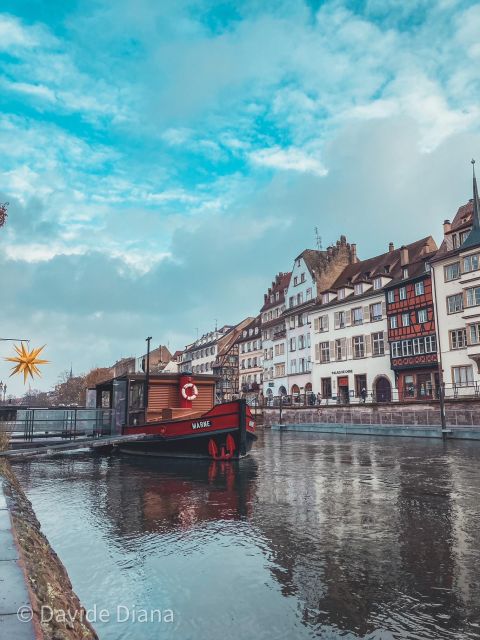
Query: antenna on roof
318,239
216,324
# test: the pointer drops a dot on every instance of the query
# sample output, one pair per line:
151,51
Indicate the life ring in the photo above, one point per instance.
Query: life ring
189,386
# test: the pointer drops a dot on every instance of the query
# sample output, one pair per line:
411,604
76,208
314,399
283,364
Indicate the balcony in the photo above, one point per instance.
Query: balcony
279,335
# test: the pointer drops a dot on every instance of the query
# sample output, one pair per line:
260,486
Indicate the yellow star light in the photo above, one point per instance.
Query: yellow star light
26,361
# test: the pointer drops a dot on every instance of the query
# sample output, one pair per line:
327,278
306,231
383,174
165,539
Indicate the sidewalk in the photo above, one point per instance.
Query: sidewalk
13,590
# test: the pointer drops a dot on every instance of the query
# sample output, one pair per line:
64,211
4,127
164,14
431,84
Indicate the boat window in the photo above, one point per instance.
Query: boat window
136,395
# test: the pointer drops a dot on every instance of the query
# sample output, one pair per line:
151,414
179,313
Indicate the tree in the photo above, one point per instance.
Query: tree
70,390
95,376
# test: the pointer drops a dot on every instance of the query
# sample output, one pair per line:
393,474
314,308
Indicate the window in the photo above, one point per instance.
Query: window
470,263
378,346
475,333
326,384
377,283
376,311
418,346
357,315
293,366
462,376
302,277
407,347
430,344
396,349
358,288
405,319
300,298
280,349
451,271
341,319
338,350
291,301
277,296
402,292
391,296
419,289
393,322
325,298
473,296
422,316
291,322
293,344
309,293
295,281
455,303
458,338
463,236
279,370
405,272
341,294
324,352
359,347
301,342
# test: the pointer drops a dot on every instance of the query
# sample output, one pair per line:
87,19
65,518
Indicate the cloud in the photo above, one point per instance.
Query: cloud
288,160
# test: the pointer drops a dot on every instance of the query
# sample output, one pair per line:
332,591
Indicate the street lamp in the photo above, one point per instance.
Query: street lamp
1,390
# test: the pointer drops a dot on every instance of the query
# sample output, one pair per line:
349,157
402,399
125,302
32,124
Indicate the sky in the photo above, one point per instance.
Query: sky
164,160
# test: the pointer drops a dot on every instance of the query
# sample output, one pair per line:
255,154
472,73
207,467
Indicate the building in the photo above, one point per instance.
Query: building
226,365
312,271
274,335
199,357
251,361
411,328
158,358
456,289
124,366
349,327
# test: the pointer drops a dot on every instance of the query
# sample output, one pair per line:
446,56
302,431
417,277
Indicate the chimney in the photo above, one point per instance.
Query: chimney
265,297
353,252
390,247
329,251
447,226
403,256
425,248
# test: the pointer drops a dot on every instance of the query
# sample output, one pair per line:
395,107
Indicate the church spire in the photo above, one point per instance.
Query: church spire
473,238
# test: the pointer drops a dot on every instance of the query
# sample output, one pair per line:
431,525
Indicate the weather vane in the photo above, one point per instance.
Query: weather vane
26,361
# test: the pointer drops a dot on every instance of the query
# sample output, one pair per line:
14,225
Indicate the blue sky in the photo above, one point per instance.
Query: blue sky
163,160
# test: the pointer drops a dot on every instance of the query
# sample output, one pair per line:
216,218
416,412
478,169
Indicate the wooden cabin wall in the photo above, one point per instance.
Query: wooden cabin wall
166,394
206,395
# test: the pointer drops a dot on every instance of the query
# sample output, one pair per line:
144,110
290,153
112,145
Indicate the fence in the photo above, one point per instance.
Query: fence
28,424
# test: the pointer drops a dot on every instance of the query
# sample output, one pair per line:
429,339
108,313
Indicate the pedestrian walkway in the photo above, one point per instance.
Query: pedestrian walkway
14,598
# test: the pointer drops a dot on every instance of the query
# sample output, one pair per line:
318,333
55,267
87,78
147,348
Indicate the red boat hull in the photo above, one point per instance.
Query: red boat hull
225,432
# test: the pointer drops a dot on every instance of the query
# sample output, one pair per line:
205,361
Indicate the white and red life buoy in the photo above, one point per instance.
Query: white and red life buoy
189,391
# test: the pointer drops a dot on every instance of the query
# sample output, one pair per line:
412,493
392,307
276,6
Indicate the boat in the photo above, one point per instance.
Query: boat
180,418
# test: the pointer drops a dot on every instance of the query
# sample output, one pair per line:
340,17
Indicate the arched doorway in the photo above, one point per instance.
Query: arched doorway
383,389
295,390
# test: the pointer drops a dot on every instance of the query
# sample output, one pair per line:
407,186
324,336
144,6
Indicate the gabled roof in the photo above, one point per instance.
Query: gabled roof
388,263
473,238
281,282
314,260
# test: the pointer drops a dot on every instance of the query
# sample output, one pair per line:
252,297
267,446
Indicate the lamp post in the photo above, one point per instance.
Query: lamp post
147,375
1,391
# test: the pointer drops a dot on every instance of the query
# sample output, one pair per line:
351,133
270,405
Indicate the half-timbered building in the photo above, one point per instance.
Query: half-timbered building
411,327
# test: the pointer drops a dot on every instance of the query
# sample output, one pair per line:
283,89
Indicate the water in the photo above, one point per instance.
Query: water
313,536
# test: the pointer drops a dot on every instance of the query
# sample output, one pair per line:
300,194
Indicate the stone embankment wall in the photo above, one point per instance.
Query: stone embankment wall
48,581
458,413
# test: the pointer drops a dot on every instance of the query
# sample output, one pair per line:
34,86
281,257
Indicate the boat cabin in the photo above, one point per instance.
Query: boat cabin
170,396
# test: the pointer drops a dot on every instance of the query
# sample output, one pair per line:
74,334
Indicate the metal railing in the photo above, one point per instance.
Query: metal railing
28,424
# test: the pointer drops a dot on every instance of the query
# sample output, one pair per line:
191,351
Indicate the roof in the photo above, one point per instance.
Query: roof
461,221
281,282
473,238
415,270
314,260
388,264
254,324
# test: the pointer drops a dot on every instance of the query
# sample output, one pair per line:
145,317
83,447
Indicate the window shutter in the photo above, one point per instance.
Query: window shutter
384,308
317,352
348,317
337,320
344,348
468,336
385,342
326,322
349,348
368,345
316,324
332,350
366,314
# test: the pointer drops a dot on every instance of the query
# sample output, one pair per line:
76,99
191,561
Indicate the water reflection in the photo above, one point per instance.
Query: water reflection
312,537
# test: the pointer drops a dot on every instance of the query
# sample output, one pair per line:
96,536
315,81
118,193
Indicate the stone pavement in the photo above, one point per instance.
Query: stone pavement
13,590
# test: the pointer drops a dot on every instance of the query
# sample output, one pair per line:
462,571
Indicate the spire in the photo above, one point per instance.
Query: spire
473,238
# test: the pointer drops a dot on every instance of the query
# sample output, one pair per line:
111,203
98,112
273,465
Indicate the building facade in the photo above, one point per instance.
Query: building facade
251,361
350,331
456,289
312,270
411,329
274,337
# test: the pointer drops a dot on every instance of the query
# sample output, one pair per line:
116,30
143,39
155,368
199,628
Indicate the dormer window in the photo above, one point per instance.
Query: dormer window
325,298
341,294
271,298
277,296
377,283
464,235
454,241
405,272
359,288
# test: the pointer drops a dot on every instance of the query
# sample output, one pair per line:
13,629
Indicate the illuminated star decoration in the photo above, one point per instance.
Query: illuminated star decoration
27,361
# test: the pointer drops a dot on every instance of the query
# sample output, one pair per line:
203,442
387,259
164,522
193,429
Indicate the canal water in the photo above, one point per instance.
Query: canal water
313,536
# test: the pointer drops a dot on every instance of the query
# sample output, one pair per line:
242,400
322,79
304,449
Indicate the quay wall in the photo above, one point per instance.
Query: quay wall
394,419
47,580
